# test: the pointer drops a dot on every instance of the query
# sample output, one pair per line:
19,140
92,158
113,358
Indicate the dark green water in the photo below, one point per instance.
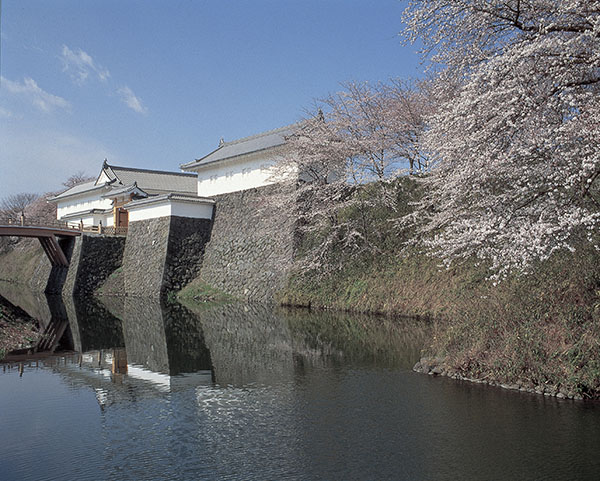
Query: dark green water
244,392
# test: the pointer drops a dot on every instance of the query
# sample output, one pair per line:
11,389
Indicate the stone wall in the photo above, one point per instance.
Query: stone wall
144,256
251,247
246,250
93,259
163,254
187,241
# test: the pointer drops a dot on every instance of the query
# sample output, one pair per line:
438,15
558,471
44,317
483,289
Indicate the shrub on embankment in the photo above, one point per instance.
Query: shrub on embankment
537,331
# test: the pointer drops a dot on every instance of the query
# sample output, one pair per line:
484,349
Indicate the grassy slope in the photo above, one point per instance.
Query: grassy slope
19,264
198,291
114,285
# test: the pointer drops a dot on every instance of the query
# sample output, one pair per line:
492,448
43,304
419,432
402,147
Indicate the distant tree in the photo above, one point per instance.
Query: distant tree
77,178
379,126
41,211
517,146
13,206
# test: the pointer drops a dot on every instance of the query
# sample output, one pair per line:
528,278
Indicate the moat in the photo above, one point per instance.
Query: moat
141,390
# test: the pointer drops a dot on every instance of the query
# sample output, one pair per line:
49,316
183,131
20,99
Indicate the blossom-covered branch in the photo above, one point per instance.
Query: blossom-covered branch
519,145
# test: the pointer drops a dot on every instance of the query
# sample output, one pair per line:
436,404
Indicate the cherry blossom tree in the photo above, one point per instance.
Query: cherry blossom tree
364,135
313,170
379,125
516,149
77,178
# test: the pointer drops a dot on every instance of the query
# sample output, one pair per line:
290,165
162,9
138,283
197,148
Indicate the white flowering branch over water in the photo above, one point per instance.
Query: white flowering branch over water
517,148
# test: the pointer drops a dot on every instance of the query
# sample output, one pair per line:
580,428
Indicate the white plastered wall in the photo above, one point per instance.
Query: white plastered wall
103,178
246,172
80,203
170,207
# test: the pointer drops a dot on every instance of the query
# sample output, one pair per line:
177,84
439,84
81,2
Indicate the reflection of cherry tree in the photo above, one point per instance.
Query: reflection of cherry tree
518,146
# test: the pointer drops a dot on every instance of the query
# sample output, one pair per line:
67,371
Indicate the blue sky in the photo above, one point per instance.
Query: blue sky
154,84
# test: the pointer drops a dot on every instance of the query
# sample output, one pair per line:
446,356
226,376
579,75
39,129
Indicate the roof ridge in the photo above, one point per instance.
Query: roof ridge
155,171
261,134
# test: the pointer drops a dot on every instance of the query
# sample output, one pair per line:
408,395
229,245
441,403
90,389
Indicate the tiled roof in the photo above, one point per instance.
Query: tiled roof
247,145
79,189
160,198
86,212
153,181
125,190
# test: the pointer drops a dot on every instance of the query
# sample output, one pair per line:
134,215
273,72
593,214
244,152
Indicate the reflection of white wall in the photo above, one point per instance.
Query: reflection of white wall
80,203
164,206
245,172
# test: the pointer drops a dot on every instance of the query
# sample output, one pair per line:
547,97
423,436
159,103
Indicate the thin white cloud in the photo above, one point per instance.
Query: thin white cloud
5,113
130,99
37,96
79,65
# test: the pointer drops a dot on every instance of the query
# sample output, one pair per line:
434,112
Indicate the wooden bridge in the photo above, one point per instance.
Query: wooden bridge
49,239
51,232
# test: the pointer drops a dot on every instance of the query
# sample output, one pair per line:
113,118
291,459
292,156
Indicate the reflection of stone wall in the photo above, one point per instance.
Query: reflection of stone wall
248,343
251,246
144,334
92,325
163,254
93,259
163,339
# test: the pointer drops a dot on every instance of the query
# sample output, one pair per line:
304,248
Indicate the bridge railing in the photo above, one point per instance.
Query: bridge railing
33,222
29,222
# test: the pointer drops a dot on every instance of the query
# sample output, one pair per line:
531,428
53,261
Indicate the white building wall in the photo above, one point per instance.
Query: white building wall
170,207
81,203
103,178
151,211
246,172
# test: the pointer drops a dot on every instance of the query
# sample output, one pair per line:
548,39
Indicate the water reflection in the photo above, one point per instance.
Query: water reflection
243,392
49,311
93,326
123,339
